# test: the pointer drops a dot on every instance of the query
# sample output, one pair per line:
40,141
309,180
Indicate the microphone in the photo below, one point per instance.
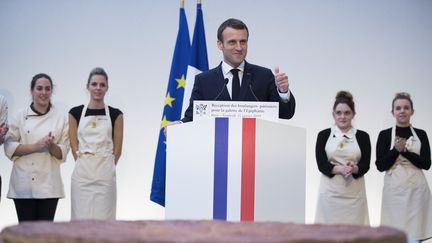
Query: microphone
253,93
250,87
220,93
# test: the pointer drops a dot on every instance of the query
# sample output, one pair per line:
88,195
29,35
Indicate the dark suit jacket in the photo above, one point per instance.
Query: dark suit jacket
258,81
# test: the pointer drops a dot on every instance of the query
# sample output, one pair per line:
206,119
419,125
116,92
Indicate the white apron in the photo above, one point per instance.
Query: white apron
342,200
407,201
94,193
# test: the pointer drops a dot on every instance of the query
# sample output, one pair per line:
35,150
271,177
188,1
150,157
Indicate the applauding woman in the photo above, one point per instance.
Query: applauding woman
343,157
96,134
403,152
37,142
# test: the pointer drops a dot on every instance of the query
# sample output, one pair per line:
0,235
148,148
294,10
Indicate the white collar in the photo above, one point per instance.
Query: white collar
338,133
32,113
226,68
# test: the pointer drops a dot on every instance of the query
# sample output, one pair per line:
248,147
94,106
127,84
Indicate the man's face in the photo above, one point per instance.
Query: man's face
233,46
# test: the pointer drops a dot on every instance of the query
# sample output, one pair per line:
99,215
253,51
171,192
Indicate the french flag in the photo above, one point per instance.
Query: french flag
241,189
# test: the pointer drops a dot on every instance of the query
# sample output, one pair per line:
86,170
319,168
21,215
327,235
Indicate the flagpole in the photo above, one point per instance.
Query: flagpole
199,1
181,3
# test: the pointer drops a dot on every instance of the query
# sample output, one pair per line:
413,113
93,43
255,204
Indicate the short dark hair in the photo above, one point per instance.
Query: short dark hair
97,71
402,96
38,76
232,23
344,97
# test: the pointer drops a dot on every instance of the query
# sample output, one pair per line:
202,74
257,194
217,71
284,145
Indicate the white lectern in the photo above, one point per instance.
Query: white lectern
236,169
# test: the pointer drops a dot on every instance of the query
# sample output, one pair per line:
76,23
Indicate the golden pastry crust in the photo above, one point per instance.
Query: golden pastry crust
194,231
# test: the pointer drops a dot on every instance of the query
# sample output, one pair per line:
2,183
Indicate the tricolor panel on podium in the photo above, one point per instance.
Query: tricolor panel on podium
236,169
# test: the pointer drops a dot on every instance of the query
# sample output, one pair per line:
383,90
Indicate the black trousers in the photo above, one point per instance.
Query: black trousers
35,209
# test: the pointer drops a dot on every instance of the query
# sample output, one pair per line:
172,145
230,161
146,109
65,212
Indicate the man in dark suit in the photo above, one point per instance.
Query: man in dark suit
237,80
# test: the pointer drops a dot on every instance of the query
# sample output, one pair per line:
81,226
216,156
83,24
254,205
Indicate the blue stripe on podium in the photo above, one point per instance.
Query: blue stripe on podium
220,169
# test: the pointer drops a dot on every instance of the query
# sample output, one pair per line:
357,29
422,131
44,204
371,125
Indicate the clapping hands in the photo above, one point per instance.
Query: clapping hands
400,144
3,130
45,142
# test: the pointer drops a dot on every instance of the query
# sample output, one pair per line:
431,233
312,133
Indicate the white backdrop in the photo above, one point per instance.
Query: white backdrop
371,48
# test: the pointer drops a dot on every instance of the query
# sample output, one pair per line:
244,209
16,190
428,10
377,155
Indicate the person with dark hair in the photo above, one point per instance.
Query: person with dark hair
246,82
96,137
343,157
37,142
3,125
403,152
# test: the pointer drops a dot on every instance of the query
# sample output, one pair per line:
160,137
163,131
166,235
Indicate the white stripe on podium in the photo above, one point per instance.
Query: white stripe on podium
234,169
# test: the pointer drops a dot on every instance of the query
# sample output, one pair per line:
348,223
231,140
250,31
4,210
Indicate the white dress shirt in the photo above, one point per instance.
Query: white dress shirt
36,175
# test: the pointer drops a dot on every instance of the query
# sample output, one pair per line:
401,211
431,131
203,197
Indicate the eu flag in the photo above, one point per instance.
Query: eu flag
173,105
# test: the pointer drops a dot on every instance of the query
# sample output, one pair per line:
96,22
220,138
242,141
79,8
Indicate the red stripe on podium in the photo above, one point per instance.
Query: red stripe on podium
248,170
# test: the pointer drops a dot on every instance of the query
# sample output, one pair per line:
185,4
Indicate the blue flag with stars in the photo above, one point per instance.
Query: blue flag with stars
172,105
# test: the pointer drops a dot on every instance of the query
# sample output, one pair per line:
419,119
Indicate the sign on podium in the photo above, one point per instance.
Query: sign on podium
206,109
236,169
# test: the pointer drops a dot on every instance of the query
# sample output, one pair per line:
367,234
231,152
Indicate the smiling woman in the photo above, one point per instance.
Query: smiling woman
403,152
96,133
37,142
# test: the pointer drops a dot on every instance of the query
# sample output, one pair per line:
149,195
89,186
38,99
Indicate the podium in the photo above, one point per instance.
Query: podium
236,169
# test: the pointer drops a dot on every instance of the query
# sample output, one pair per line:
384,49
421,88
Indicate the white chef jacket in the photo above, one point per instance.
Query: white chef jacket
36,175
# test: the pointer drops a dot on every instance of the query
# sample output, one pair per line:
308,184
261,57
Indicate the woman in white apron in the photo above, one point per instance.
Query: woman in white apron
403,152
37,142
96,133
343,157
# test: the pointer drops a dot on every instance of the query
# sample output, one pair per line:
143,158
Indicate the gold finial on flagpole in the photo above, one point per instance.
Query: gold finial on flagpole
181,3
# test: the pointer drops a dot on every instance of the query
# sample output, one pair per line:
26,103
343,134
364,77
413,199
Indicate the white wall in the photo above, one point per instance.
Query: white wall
371,48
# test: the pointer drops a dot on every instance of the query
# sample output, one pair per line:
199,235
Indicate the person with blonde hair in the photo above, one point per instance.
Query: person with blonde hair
403,152
343,157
